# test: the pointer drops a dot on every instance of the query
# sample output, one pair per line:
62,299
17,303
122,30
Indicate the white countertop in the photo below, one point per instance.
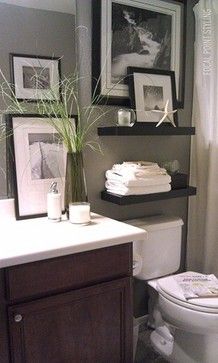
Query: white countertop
38,239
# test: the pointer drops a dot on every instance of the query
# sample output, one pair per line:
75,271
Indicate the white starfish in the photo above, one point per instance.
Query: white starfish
166,114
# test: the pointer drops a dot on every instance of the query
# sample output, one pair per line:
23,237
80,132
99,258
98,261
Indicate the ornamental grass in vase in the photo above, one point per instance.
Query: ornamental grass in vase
73,136
75,180
57,113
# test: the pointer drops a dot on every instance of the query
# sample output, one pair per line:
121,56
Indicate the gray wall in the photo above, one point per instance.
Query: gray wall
118,149
29,35
35,32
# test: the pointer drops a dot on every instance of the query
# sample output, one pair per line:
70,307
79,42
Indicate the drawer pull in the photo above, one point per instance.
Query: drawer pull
18,318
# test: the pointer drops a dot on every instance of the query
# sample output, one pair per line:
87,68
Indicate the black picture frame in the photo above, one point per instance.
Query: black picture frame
166,90
50,68
100,73
13,165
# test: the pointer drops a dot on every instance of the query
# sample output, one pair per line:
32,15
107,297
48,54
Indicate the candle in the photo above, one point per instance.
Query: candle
126,117
79,213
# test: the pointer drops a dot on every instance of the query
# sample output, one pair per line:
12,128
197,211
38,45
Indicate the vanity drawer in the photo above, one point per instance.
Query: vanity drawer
68,272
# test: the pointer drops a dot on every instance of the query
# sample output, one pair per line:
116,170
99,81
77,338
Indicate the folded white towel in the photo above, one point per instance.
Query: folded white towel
131,169
135,173
123,190
140,164
133,181
136,165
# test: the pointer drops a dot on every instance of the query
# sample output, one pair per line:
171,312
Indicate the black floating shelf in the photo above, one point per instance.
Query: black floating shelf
132,199
143,130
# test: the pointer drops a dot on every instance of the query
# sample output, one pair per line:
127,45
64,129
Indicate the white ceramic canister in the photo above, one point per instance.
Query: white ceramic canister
54,204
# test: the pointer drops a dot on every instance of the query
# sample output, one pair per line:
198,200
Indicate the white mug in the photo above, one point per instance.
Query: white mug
126,117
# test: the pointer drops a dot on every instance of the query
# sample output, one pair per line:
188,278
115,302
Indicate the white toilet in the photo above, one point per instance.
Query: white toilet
185,331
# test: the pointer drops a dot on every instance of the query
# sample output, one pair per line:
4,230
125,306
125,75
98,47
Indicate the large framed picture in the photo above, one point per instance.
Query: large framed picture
137,33
150,91
35,77
36,158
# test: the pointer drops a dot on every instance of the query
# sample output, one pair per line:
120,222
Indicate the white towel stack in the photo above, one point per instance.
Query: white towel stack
135,178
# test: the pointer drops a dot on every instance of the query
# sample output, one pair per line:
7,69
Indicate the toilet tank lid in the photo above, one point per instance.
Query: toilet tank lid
156,223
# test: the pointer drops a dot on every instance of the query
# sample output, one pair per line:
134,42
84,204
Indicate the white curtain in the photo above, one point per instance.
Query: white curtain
202,248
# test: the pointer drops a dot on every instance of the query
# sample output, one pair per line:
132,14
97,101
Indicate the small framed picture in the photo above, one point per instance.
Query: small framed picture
36,158
35,77
150,91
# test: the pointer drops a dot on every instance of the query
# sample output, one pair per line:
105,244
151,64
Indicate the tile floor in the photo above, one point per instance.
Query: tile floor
144,351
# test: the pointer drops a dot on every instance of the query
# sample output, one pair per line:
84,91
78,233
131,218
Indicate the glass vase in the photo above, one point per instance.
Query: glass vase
75,182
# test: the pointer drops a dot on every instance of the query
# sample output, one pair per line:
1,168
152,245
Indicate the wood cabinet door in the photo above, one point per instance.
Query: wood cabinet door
91,325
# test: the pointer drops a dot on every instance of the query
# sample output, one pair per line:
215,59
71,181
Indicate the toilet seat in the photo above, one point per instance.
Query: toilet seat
169,288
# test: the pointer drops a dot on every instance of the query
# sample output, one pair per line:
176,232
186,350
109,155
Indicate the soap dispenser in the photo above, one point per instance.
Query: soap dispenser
54,203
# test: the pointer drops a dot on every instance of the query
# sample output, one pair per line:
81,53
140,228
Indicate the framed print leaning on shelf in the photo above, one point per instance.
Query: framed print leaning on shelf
37,157
35,77
151,89
137,33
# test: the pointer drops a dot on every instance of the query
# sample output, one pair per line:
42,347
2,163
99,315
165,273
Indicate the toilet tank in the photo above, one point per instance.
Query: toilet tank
160,252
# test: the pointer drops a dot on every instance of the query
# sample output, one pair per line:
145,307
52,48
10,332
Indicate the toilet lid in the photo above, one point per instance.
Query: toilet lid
171,288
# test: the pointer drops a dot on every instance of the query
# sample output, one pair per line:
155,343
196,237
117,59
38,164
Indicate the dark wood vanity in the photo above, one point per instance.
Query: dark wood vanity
69,309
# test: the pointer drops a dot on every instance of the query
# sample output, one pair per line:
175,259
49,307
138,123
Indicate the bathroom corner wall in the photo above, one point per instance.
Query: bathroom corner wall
118,149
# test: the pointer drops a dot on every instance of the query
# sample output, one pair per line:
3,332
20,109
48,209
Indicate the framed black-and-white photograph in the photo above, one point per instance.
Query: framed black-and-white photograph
150,91
35,77
37,157
137,33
